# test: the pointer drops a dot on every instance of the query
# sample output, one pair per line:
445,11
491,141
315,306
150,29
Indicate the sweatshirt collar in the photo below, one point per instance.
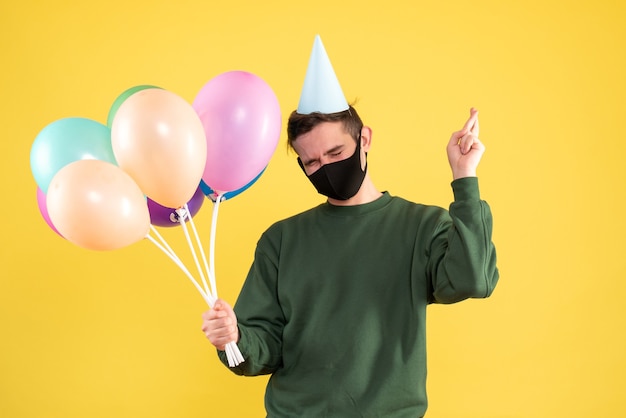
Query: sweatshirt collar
356,210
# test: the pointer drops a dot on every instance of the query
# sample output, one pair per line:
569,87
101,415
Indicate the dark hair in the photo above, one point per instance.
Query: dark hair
301,124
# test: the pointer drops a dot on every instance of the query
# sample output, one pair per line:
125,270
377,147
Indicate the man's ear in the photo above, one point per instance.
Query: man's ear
366,138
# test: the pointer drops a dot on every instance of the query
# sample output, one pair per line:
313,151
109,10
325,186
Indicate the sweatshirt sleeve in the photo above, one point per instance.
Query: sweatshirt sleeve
462,255
259,316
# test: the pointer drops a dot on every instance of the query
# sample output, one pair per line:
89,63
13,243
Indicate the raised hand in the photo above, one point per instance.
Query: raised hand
465,149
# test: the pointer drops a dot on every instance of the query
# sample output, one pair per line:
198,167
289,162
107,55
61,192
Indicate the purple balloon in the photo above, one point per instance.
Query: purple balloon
167,217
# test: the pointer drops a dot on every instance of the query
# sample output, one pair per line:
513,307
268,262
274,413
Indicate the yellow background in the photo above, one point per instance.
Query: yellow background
117,334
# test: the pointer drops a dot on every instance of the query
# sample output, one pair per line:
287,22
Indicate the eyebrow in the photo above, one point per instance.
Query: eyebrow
334,149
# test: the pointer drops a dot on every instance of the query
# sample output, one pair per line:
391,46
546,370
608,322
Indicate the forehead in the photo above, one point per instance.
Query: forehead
320,139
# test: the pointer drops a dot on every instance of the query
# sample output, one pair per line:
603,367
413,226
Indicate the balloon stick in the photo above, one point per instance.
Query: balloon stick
233,354
208,298
216,207
182,214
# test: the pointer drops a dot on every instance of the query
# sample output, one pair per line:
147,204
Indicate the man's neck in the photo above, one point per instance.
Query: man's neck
366,194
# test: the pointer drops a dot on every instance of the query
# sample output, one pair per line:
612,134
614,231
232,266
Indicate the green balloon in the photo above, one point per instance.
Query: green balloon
122,97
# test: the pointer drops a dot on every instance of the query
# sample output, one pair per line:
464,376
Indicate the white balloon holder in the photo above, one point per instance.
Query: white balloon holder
208,290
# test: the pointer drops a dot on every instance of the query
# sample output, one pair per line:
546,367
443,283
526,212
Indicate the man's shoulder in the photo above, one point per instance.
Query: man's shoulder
402,203
296,218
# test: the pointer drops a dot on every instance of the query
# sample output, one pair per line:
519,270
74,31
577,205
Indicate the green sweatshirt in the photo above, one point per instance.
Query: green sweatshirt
334,305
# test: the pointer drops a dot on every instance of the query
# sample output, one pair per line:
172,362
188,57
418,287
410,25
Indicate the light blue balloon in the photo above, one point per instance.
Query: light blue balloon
65,141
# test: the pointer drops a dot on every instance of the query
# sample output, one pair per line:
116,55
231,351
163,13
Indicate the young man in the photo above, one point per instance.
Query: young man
334,305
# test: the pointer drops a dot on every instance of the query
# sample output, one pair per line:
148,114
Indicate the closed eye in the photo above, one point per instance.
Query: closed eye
335,151
331,155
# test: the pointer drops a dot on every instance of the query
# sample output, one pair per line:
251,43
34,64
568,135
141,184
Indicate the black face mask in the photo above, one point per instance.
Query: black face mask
340,180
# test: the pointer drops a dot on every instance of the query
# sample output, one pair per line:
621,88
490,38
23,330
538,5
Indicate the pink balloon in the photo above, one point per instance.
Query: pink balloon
242,122
43,208
96,205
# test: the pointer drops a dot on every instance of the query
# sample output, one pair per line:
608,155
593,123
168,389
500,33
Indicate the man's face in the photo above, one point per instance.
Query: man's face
324,144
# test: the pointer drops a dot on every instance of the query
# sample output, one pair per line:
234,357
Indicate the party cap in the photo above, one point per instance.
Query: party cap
321,91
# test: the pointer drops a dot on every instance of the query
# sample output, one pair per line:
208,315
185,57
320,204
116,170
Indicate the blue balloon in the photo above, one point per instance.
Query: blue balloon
65,141
210,193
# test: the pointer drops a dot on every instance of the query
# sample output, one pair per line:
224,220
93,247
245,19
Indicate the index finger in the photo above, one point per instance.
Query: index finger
475,129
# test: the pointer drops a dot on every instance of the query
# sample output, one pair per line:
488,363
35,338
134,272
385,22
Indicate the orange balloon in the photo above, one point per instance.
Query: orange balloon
96,205
158,139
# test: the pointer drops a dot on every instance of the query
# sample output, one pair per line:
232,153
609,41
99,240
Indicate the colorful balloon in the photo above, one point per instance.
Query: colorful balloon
159,141
43,209
211,194
96,205
65,141
122,98
242,121
167,217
